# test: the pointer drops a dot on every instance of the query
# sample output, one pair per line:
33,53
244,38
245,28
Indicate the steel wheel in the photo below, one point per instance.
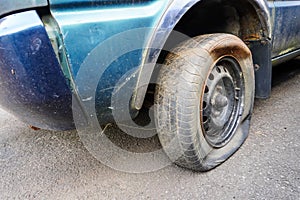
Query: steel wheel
204,100
222,102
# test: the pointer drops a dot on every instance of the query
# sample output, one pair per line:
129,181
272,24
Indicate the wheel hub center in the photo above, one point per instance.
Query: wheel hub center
220,106
221,103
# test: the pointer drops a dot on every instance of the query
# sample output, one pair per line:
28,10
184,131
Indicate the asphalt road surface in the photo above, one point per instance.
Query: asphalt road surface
56,165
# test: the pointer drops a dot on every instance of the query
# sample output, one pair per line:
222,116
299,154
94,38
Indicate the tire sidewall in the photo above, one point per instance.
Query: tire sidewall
226,46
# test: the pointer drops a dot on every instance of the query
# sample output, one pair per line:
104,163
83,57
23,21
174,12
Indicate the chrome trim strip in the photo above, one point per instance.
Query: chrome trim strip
283,58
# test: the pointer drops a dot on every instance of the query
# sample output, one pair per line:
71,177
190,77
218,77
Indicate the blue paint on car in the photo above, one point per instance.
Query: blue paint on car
32,85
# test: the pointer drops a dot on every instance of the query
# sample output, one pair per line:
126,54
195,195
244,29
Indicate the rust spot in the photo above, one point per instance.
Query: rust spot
252,37
34,128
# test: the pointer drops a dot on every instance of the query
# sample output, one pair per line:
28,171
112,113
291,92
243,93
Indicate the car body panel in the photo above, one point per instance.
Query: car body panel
32,85
286,33
94,23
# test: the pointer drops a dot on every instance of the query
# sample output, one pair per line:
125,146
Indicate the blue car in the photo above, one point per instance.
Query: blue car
197,64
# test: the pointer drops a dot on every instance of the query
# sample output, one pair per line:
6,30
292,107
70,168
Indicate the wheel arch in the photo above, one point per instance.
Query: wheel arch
251,22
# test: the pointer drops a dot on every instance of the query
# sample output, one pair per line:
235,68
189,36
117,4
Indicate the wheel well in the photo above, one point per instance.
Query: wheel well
218,16
248,20
240,18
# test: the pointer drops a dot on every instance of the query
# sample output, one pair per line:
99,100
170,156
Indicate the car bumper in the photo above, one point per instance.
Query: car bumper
32,84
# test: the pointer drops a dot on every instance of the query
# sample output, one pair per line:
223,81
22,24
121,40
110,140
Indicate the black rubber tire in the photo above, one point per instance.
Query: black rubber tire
180,86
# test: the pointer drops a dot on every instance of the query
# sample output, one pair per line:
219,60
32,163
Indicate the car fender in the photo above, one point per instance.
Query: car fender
167,23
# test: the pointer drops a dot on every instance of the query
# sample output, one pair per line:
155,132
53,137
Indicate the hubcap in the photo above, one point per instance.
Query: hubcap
222,103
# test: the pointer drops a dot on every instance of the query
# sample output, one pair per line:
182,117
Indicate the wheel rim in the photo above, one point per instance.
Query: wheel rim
222,102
